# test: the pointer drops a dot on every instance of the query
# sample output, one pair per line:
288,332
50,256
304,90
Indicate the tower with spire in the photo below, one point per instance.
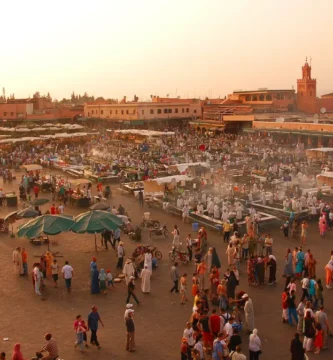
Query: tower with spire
306,90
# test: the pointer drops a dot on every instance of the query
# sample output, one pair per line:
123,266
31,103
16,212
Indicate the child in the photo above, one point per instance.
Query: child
195,282
292,286
318,342
102,280
55,272
109,278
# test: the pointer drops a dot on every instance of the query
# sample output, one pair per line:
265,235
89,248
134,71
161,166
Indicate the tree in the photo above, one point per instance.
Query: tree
48,96
36,95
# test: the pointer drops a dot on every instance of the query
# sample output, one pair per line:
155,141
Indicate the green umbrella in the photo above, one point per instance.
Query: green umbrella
45,224
27,213
96,221
38,202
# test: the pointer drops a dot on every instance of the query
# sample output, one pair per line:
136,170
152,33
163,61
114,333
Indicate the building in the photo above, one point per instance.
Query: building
264,100
137,113
16,111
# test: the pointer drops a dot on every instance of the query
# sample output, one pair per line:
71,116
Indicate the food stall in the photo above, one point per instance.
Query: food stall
79,192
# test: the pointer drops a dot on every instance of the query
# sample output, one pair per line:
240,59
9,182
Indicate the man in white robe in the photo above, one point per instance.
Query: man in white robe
18,262
148,261
128,270
249,313
145,280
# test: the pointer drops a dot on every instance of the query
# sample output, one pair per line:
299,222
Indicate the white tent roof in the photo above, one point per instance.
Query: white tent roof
143,132
322,149
169,179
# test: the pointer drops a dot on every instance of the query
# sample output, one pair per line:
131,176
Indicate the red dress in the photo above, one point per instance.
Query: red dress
318,342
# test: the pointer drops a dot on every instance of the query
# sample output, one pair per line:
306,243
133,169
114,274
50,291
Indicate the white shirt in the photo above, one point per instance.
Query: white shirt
305,283
198,346
254,343
67,271
188,334
228,329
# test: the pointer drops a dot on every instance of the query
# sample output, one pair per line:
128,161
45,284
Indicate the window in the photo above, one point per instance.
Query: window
152,111
116,112
122,112
126,112
176,111
134,111
261,97
92,111
165,111
159,111
195,111
268,97
88,113
5,114
254,98
183,110
187,110
142,112
102,112
248,98
169,111
110,112
281,96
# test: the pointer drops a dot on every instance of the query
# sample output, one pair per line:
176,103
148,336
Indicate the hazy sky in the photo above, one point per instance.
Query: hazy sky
179,47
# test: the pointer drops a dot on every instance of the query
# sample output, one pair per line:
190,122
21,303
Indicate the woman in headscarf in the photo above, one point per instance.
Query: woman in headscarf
230,252
329,274
215,259
251,265
322,225
94,282
49,261
271,264
17,355
312,266
288,267
299,263
254,345
102,280
231,285
260,270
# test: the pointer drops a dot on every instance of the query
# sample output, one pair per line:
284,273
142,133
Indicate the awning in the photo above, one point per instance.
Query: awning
137,122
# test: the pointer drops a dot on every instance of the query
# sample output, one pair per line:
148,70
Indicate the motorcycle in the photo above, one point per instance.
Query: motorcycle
144,249
159,232
155,224
181,255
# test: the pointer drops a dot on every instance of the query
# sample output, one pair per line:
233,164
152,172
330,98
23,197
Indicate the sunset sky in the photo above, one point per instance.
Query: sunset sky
188,48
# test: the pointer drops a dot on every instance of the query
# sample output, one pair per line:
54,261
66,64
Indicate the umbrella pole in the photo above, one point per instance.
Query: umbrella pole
95,243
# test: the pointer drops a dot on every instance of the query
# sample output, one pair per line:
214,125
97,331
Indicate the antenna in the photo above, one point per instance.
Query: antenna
310,60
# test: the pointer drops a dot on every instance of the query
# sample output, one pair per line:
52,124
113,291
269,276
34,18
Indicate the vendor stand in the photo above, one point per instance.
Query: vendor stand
78,197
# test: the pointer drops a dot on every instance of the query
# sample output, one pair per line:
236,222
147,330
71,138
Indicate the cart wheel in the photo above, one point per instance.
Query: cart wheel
166,232
152,233
156,225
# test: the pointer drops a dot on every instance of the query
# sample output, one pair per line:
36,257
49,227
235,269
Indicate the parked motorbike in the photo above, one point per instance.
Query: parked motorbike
155,224
159,232
144,249
180,255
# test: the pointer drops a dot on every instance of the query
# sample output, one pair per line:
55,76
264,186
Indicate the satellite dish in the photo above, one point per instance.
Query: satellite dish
279,120
323,110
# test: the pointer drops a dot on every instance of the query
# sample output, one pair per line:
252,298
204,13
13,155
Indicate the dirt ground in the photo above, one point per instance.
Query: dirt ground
159,321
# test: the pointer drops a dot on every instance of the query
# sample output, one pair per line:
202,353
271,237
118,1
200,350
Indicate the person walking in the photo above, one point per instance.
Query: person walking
249,313
254,345
292,313
321,318
120,255
55,272
145,280
68,273
269,245
17,260
25,261
237,354
189,246
174,274
130,328
79,331
93,320
296,348
309,331
130,291
37,278
140,198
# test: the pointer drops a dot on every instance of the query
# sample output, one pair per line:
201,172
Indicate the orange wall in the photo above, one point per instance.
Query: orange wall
292,126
